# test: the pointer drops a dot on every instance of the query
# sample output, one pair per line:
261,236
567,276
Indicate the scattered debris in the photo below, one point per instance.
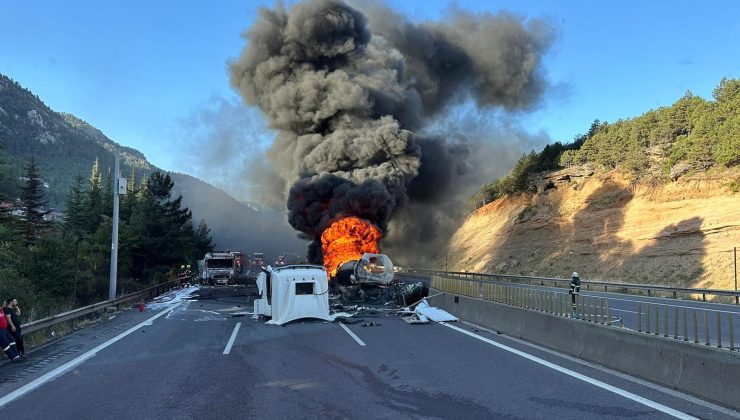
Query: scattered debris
371,324
433,313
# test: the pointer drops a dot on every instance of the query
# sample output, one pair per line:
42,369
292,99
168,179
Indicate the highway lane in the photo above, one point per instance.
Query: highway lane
176,367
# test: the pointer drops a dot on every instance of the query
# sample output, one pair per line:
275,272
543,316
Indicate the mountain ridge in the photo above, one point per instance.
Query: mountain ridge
66,146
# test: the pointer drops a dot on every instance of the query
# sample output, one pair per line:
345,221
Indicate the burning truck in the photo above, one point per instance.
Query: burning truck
358,272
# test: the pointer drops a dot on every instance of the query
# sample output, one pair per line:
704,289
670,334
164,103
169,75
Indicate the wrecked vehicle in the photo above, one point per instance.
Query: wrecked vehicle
371,280
293,292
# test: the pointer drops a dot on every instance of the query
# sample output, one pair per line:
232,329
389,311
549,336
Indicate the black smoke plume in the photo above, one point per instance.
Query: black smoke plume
349,93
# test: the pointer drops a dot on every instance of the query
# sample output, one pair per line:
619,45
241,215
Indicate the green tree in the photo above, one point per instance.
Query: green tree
202,240
94,202
32,201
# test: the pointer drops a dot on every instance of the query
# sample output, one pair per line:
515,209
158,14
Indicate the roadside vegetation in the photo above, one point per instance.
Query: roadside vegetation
692,135
57,265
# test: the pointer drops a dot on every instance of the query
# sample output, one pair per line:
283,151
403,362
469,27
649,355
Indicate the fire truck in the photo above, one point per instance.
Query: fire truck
219,268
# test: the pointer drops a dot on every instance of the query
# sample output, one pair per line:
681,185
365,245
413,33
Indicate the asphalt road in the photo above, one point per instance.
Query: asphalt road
205,359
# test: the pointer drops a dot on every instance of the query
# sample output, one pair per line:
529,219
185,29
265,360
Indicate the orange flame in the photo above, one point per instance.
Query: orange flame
346,240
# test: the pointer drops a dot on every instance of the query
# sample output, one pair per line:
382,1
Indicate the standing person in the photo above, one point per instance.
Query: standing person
7,343
575,288
13,317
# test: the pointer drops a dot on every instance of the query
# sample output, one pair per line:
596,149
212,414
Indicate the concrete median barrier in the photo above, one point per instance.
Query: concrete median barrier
709,373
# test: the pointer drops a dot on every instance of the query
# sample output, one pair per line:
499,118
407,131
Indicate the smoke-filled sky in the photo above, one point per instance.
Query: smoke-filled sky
153,75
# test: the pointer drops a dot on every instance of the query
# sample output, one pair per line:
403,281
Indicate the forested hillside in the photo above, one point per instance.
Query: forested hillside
55,265
66,147
691,136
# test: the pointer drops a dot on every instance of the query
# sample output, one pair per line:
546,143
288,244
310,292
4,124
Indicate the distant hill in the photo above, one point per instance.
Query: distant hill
651,199
66,146
690,137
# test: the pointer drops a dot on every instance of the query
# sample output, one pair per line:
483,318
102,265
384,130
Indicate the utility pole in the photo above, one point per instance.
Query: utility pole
734,259
118,185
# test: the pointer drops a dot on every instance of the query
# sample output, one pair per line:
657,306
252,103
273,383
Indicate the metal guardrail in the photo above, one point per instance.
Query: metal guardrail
585,284
79,312
594,309
589,309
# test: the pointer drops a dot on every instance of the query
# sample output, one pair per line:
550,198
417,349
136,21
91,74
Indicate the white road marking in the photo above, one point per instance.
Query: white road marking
592,381
351,334
646,302
227,350
623,310
61,370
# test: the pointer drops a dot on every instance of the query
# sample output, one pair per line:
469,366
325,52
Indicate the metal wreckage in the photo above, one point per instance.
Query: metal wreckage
360,288
371,280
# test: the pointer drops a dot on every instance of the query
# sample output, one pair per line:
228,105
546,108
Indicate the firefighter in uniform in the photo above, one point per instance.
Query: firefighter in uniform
575,289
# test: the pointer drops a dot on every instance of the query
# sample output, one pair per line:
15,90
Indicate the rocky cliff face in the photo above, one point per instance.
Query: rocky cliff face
607,226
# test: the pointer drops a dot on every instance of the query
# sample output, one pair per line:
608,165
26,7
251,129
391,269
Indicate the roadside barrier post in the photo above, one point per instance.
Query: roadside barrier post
732,339
639,317
647,318
696,328
665,322
608,313
685,325
719,330
706,328
675,323
657,320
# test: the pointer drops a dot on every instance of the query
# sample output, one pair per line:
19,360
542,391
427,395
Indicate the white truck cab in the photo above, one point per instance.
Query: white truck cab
293,292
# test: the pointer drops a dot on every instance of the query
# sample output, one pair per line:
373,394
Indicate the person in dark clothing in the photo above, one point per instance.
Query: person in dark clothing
12,316
575,289
7,342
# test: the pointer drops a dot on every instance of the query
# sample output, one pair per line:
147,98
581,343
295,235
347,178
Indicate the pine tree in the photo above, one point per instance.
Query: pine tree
75,215
107,208
202,240
5,217
32,197
94,204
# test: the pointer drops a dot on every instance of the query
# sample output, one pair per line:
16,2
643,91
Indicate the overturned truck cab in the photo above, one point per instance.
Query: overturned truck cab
292,292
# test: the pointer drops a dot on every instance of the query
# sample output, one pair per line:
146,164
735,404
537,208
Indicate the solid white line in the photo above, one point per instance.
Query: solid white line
61,370
227,350
623,310
592,381
351,334
669,391
663,304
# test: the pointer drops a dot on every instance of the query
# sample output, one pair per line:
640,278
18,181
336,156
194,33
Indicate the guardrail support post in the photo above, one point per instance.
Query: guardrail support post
696,328
608,313
639,317
647,318
657,320
665,322
706,328
685,325
719,330
675,323
591,310
732,339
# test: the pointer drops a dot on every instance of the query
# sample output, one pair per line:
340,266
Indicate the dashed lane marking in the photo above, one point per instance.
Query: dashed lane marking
351,334
641,400
227,350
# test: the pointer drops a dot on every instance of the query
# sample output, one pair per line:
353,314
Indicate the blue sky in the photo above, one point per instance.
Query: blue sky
146,72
